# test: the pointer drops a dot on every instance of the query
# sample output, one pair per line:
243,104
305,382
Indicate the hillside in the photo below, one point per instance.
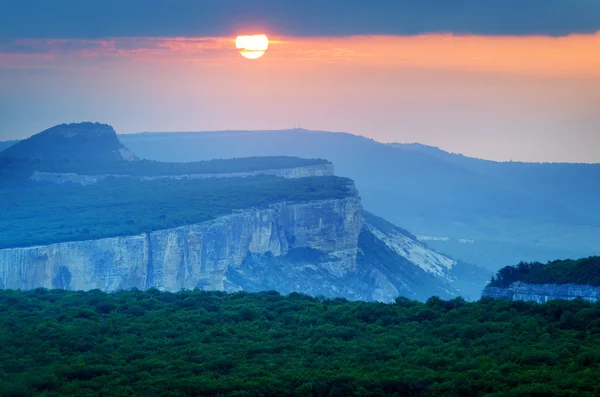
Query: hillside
6,144
197,343
78,141
420,271
517,211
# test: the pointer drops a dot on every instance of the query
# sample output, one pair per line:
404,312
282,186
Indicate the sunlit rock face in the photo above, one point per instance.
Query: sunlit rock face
209,255
542,293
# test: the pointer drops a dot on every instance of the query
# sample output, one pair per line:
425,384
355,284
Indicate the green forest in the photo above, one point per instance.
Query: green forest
579,271
119,207
195,343
20,167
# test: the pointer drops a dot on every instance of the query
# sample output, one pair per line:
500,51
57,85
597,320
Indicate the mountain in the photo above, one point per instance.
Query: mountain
254,224
483,212
78,141
6,144
254,233
560,279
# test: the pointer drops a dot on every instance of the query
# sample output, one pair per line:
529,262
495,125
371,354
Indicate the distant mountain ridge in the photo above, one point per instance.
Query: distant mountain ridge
77,141
6,144
518,211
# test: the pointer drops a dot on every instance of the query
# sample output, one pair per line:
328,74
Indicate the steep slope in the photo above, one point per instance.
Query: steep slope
78,141
419,271
516,210
6,144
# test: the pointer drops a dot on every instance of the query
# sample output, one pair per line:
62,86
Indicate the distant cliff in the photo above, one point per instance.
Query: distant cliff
543,292
325,169
210,255
560,279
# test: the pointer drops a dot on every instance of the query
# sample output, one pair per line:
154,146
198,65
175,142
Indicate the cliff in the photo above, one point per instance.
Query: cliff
212,255
294,172
320,247
543,292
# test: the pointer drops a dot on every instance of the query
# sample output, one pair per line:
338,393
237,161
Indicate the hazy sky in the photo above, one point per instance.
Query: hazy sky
509,80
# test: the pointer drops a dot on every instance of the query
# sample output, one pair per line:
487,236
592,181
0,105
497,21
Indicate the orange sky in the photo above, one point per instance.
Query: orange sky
530,98
572,55
576,55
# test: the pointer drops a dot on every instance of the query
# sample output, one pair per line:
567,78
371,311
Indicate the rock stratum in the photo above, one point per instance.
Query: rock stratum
542,293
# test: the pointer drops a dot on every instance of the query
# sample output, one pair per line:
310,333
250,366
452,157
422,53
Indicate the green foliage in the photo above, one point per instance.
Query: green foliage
580,271
20,167
194,343
117,207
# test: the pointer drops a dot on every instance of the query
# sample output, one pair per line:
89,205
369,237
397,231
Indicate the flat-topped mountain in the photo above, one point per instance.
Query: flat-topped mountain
254,233
77,141
484,212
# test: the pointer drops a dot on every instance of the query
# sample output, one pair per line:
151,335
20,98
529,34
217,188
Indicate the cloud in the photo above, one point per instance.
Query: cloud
126,18
574,55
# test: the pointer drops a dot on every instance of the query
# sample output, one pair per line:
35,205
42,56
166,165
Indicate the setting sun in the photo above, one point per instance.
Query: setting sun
252,47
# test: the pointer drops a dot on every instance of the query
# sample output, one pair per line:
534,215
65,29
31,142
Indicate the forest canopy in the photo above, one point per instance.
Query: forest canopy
579,271
155,168
114,207
195,343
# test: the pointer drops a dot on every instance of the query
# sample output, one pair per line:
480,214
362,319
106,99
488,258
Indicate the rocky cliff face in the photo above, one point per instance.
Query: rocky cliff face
318,248
295,172
211,255
543,292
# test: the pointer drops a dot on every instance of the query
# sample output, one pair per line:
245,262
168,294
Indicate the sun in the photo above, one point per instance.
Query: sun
252,47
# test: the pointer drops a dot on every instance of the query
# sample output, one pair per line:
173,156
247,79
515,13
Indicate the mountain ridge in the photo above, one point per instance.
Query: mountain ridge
525,211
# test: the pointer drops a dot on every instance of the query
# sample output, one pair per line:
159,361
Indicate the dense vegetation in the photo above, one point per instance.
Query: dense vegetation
580,271
58,343
25,167
118,207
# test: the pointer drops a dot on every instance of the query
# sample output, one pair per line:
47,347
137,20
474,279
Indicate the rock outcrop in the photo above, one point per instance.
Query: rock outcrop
295,172
542,293
319,248
210,255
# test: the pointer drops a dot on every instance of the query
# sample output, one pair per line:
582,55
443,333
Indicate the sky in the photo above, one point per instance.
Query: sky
500,79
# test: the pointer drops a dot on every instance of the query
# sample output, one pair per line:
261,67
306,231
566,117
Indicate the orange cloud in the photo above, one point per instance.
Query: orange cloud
574,56
577,55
